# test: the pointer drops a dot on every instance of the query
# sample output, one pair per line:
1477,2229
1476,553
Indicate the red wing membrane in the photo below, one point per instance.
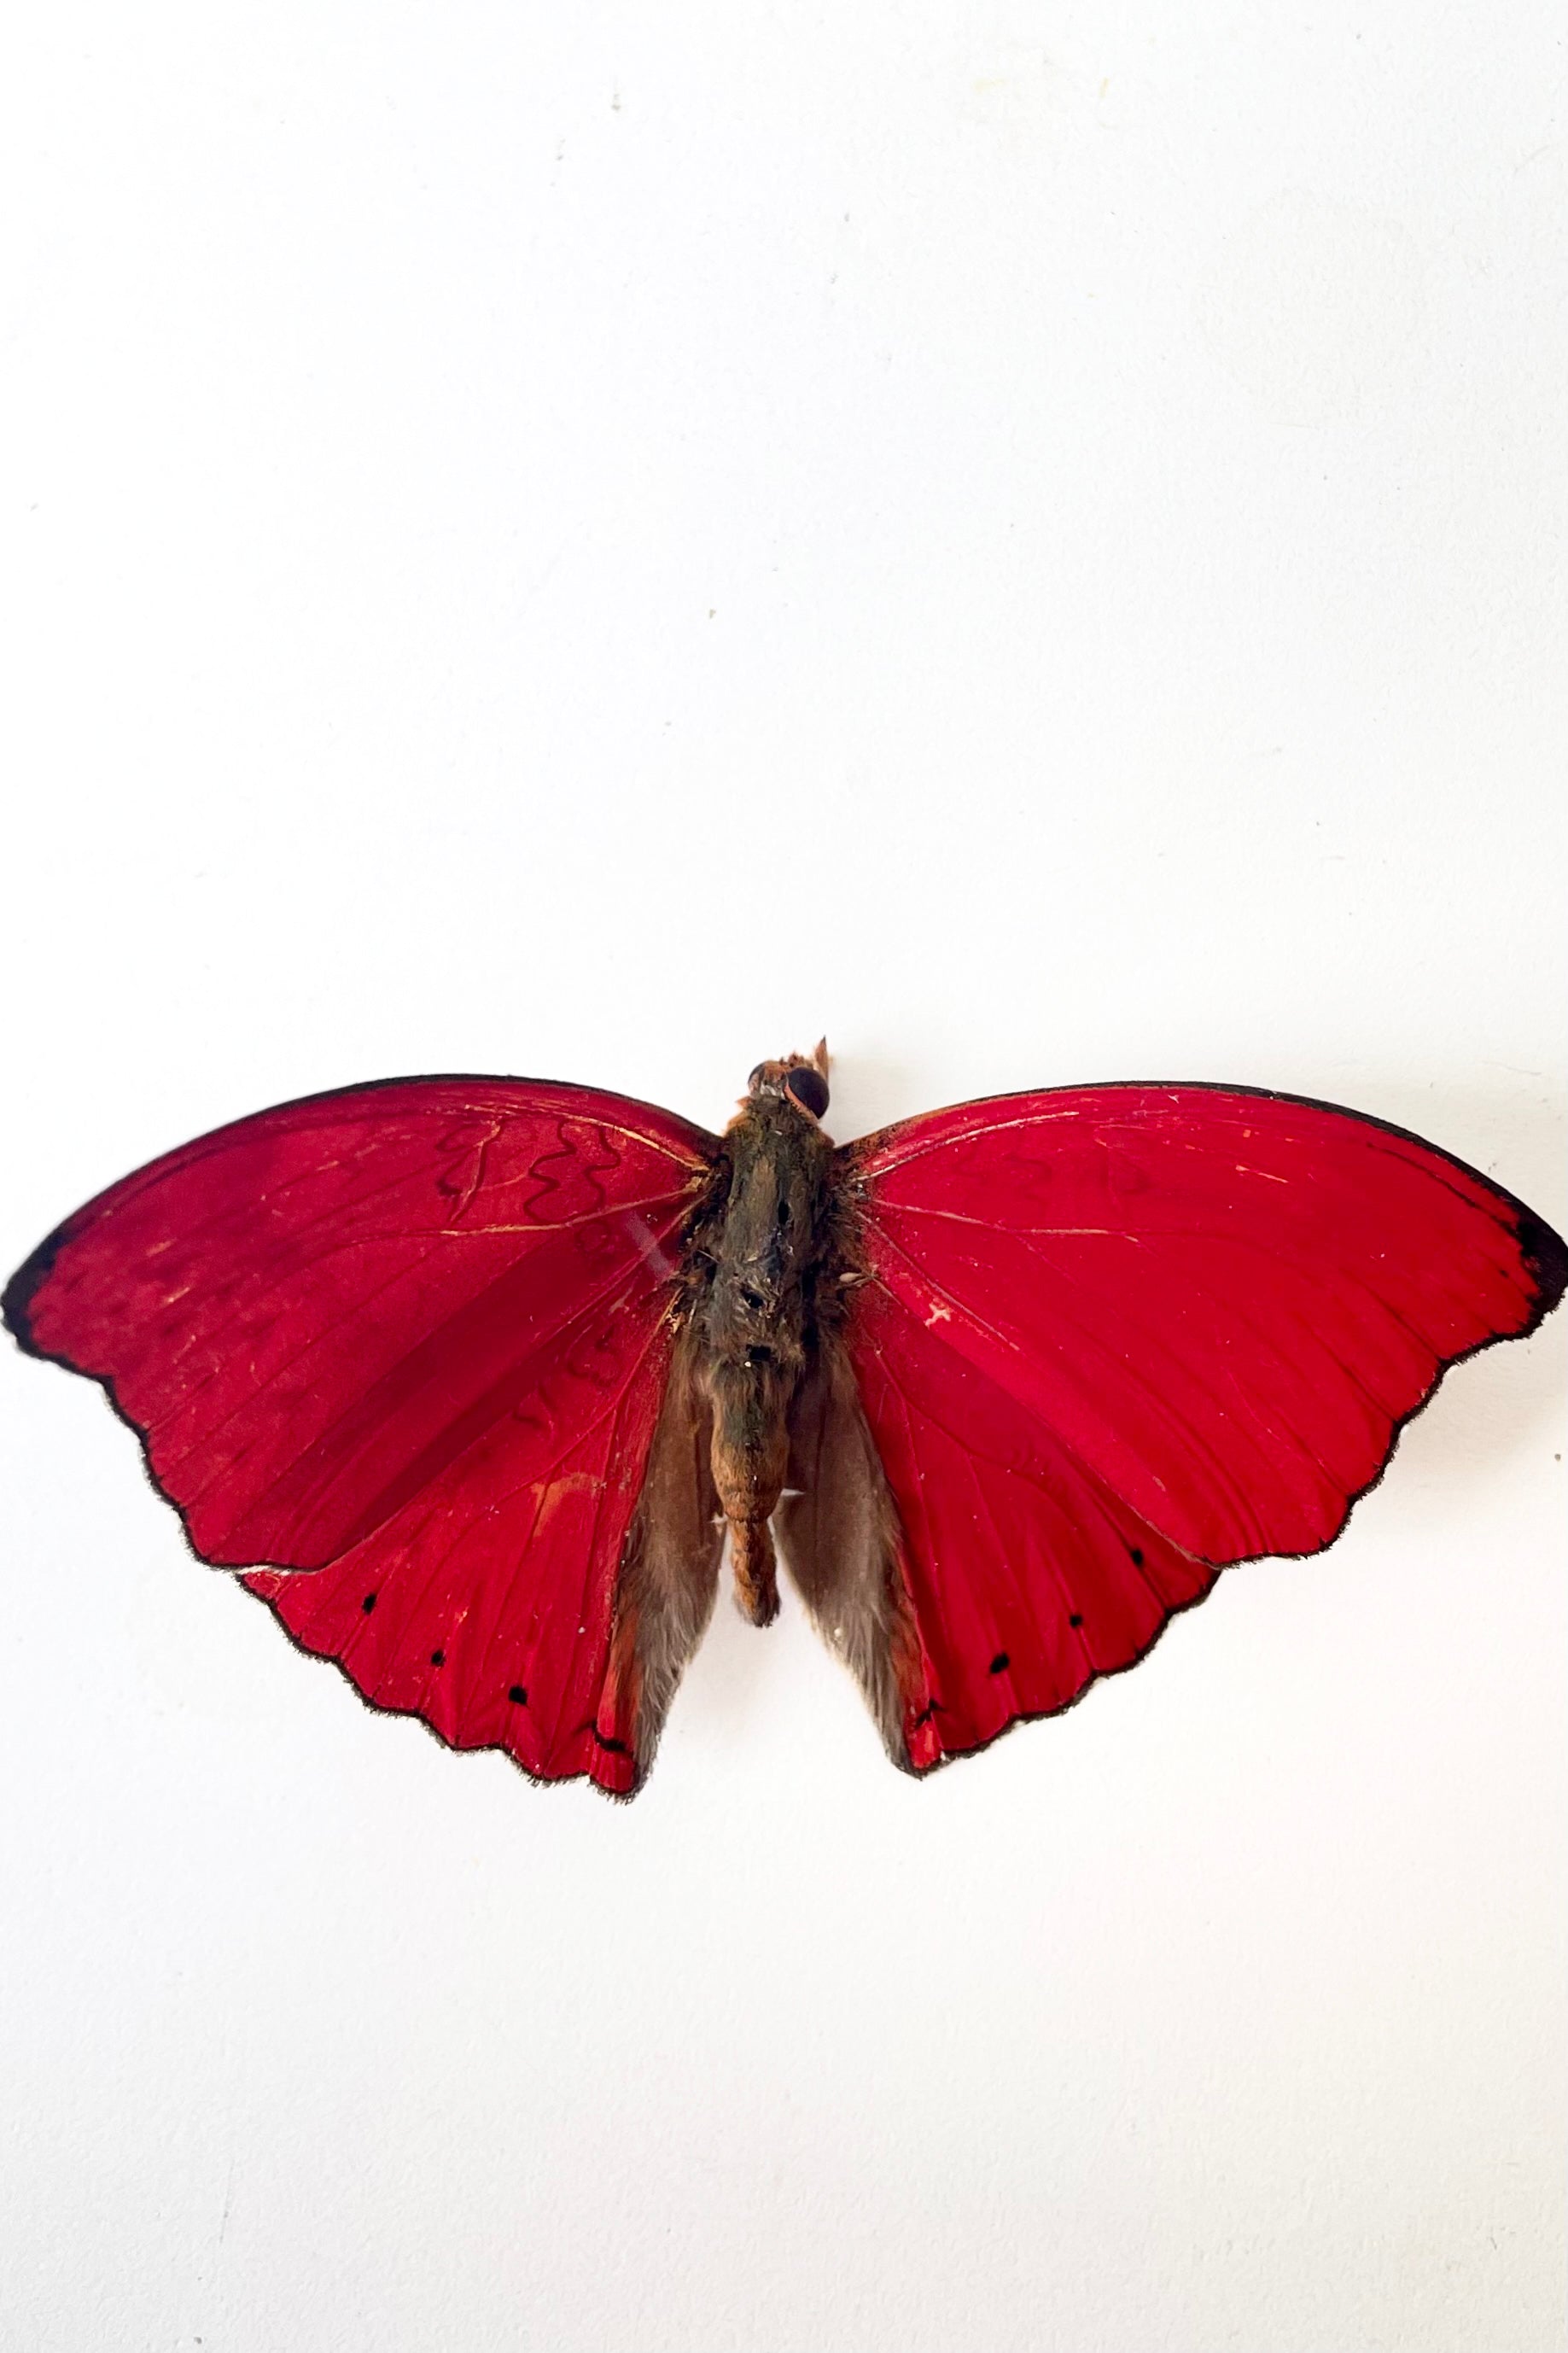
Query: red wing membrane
413,1338
1116,1338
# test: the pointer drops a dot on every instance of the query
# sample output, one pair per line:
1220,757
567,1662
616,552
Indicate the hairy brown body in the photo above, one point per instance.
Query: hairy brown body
760,1418
756,1320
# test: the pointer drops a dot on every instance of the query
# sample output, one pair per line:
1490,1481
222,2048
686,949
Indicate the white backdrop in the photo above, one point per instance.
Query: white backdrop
602,543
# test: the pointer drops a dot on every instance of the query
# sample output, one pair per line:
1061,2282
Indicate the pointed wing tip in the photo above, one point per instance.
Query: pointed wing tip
17,1301
1545,1255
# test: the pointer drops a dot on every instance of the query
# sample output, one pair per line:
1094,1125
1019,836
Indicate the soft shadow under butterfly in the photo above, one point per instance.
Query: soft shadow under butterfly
470,1376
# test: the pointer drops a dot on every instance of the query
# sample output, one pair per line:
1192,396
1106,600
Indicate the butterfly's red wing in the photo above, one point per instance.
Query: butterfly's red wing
412,1339
1115,1337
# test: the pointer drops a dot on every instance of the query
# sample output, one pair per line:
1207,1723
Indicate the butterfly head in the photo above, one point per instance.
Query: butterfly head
800,1079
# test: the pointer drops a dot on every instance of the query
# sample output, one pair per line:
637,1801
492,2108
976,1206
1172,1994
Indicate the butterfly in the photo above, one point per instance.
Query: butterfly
471,1378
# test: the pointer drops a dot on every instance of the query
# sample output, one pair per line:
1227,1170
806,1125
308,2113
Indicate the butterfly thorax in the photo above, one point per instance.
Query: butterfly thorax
763,1257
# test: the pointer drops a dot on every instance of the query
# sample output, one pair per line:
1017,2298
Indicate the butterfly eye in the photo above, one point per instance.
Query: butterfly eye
808,1088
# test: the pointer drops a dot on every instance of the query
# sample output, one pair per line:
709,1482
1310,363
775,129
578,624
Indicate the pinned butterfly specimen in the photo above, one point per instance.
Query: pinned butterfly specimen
470,1376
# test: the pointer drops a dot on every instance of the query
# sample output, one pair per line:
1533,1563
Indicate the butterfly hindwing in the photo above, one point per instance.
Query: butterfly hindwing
412,1338
1113,1338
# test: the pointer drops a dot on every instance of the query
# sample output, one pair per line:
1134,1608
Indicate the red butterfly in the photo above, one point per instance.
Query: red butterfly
481,1368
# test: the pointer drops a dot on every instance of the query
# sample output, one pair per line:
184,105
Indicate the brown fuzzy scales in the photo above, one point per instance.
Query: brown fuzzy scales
761,1413
755,1325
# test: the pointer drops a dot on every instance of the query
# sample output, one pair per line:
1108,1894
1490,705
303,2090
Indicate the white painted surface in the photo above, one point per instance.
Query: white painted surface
602,543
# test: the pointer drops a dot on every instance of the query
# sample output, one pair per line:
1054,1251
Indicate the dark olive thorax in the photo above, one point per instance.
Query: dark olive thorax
768,1245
